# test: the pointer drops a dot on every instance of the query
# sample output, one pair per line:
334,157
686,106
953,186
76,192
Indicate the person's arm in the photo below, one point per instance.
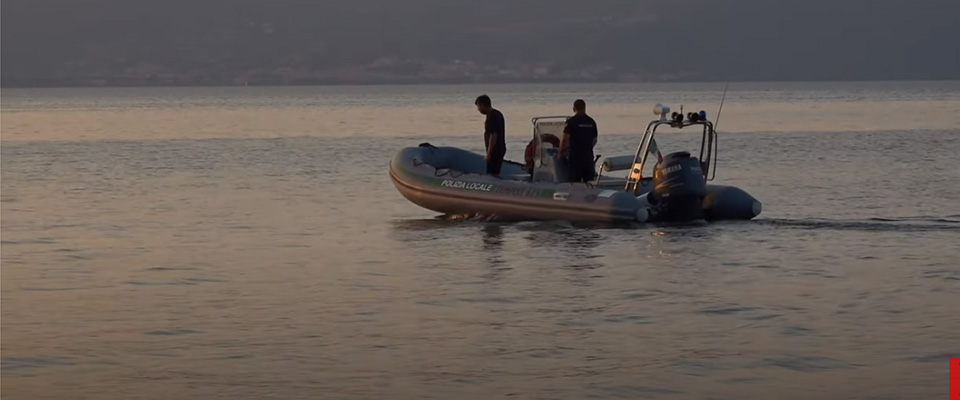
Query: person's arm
563,139
595,133
488,132
493,142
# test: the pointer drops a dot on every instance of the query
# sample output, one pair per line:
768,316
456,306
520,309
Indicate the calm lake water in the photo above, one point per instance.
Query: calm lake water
247,243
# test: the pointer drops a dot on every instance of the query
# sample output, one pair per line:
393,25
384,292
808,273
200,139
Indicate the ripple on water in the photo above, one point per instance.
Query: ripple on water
16,364
762,317
942,275
632,391
435,303
816,272
236,357
802,363
175,282
730,309
172,268
504,299
635,294
940,357
630,319
574,323
697,368
66,288
206,280
170,332
745,379
795,331
181,282
42,240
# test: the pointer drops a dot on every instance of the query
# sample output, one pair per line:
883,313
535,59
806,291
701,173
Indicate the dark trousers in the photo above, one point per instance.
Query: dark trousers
494,164
580,171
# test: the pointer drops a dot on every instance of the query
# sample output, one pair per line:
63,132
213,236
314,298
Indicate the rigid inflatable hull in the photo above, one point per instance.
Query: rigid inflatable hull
452,191
448,180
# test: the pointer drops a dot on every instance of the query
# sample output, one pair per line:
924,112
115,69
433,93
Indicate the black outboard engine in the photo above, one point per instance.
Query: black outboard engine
678,188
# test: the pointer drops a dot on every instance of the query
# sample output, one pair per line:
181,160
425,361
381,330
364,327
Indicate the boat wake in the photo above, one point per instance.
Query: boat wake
950,223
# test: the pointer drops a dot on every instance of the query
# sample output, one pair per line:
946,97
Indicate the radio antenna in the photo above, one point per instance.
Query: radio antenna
716,141
722,98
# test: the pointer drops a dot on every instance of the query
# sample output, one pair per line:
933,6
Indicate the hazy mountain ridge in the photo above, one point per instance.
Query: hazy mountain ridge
135,42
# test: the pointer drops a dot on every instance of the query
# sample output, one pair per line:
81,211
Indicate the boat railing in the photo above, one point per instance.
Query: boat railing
708,148
633,164
539,123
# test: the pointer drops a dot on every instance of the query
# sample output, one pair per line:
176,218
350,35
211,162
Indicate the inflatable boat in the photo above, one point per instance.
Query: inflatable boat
452,181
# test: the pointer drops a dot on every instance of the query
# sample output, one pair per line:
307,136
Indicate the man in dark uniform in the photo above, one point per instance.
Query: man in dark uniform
493,135
579,138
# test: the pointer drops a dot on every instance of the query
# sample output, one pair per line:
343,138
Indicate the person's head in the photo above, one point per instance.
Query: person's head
579,106
483,104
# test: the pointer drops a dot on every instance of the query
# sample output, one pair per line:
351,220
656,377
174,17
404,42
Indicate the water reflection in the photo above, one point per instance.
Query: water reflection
492,240
421,224
574,248
424,232
668,239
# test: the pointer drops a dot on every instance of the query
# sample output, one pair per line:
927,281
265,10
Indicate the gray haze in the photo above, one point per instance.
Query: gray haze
200,42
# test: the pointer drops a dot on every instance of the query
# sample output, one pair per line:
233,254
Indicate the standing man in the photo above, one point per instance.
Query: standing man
579,138
494,138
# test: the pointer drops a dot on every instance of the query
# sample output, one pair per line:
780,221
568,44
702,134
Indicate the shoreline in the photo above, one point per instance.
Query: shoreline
462,83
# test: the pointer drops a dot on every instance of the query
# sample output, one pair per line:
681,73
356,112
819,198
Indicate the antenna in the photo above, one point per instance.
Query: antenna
722,98
716,139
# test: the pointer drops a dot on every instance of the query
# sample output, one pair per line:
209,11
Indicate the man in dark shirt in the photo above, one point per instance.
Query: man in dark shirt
579,138
493,135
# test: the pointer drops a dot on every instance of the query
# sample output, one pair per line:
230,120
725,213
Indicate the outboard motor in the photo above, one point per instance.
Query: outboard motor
678,188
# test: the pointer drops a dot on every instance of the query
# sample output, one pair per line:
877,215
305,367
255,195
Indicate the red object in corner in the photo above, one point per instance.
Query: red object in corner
955,379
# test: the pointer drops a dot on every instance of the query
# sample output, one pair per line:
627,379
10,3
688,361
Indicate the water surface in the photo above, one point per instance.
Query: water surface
247,243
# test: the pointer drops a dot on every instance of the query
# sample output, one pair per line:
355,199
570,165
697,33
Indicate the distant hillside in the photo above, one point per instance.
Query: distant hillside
230,42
